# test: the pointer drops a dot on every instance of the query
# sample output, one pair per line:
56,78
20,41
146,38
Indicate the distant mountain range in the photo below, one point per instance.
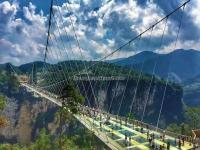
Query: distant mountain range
180,64
192,91
27,68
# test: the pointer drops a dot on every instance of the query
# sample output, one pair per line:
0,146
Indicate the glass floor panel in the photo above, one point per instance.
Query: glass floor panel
113,136
172,142
124,143
116,127
139,139
125,132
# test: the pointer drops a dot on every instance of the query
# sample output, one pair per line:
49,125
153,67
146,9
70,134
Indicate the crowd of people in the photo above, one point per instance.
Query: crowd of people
151,136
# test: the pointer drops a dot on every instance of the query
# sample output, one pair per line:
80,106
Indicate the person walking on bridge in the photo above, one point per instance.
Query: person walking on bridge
168,145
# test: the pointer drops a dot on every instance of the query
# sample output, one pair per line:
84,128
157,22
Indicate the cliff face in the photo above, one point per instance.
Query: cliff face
109,96
26,116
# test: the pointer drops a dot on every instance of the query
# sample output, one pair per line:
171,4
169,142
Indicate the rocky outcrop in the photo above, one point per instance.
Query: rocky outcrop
26,115
109,97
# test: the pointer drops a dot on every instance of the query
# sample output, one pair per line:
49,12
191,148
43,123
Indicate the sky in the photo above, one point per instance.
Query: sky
91,29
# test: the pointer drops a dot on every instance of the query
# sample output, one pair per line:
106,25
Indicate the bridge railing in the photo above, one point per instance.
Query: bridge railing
148,126
133,121
155,129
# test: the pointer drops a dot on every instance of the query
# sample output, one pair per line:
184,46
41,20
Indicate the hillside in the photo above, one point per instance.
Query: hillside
29,117
174,91
192,91
182,66
137,59
172,62
27,68
105,91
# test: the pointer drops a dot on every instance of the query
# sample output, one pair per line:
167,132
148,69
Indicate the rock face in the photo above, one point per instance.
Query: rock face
109,97
26,115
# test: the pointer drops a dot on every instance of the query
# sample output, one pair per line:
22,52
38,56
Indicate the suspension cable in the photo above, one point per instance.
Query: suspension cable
165,89
136,37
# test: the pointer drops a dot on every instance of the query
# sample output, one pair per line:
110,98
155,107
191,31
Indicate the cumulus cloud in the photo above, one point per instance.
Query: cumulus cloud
22,40
100,27
194,12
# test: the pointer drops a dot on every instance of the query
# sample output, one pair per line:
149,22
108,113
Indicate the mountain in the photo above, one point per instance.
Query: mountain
27,68
138,58
9,66
105,90
181,64
192,91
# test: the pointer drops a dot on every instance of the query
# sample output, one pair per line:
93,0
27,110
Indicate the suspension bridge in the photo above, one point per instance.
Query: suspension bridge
118,132
115,131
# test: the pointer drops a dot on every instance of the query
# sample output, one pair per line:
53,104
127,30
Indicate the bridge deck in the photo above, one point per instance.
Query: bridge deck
117,134
134,139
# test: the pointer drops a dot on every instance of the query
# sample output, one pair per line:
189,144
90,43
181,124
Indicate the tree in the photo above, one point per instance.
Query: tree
130,116
34,74
71,101
43,142
182,128
11,81
193,116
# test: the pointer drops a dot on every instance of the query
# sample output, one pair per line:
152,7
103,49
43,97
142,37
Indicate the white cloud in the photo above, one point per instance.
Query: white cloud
179,45
8,9
24,39
87,2
195,12
23,42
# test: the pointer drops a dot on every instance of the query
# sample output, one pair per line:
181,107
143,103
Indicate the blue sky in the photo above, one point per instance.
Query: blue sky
101,26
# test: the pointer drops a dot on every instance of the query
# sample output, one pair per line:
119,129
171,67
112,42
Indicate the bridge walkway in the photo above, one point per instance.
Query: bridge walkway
116,133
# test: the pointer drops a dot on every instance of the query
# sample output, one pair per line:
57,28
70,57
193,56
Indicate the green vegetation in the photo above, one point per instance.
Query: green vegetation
8,82
79,139
182,128
71,98
34,75
59,72
192,119
85,140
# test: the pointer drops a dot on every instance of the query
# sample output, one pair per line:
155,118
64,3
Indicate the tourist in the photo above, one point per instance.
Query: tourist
153,136
175,141
150,140
100,125
163,135
179,143
168,145
183,140
141,129
126,138
130,139
148,134
120,124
